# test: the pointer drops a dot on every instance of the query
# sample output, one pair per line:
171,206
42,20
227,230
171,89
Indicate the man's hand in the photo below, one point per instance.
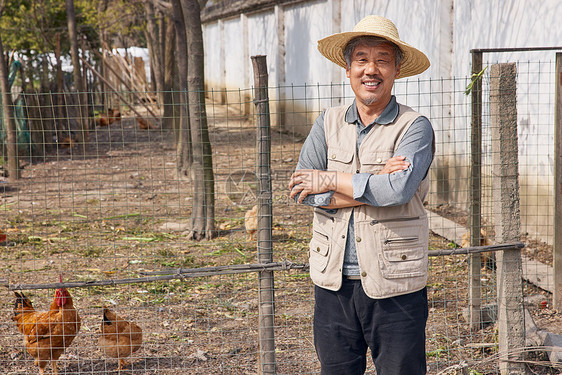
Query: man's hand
311,181
395,164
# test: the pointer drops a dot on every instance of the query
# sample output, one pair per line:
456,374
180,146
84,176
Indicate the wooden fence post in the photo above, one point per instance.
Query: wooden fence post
267,363
475,287
505,193
557,298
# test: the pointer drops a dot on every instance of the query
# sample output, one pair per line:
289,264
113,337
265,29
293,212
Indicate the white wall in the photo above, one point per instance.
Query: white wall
446,31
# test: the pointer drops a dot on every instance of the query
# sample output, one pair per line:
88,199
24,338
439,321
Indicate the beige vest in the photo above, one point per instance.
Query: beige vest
391,242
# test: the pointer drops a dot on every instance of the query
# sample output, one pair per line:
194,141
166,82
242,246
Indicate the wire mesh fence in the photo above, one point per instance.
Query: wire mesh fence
113,215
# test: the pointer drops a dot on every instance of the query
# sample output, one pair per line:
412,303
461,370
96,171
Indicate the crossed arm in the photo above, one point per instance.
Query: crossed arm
312,181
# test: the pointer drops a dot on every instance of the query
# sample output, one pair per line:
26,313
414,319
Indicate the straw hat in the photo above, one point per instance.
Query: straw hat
414,61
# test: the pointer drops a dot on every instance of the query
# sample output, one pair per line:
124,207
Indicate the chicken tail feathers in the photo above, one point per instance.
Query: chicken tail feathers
22,304
106,319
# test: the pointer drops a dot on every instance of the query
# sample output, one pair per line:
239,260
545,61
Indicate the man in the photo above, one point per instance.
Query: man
364,167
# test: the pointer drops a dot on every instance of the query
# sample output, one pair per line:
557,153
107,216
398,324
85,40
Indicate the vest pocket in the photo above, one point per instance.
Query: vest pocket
319,251
375,161
402,263
403,250
339,159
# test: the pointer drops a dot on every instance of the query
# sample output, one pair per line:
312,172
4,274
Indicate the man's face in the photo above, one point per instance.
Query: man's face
372,73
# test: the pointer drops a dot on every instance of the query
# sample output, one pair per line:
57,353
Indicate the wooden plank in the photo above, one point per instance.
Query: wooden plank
557,298
475,222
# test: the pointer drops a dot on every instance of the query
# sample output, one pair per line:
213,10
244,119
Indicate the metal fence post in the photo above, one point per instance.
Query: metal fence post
557,298
267,363
475,288
506,213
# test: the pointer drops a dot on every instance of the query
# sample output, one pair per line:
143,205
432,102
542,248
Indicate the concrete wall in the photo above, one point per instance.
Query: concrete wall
446,30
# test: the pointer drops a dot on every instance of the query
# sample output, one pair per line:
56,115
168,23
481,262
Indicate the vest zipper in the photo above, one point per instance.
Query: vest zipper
373,222
401,239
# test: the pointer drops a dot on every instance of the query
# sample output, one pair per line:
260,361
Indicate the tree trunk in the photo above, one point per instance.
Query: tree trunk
183,144
60,81
102,5
44,74
8,118
203,214
84,95
154,49
170,114
162,30
78,84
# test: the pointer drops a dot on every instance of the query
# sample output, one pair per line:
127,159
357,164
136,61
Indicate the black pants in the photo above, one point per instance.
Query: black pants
347,322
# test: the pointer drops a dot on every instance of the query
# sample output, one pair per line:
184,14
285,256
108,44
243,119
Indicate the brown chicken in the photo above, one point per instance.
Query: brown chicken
47,333
106,119
145,124
119,338
251,221
69,140
488,257
115,115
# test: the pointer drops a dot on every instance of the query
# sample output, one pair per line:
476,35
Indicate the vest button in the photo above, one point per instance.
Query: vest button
379,160
404,257
333,156
318,249
358,239
363,273
343,236
357,171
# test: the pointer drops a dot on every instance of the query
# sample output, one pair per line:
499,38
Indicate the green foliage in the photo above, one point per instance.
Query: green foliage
452,245
474,78
437,352
31,27
122,20
28,25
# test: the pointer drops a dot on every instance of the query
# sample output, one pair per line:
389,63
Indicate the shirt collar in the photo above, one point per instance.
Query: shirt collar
387,116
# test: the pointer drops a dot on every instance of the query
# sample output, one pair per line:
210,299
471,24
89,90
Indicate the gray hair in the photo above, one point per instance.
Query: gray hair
371,41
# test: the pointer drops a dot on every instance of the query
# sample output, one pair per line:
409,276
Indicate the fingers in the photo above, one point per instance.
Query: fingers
303,182
299,189
395,164
296,178
296,186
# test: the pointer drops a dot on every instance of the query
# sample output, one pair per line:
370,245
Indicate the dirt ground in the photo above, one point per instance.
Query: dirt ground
119,211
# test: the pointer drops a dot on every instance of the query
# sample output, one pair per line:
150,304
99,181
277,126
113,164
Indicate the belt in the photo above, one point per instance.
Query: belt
352,277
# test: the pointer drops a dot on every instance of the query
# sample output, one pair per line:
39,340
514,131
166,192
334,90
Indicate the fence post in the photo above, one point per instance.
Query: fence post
267,363
475,288
505,193
557,298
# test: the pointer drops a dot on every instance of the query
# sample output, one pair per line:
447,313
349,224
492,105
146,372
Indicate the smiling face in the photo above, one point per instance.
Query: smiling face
372,73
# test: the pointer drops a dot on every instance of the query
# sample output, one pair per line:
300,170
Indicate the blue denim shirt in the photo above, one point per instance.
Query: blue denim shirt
377,190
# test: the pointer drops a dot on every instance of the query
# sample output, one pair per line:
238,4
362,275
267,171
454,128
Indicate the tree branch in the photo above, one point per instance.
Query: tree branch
162,6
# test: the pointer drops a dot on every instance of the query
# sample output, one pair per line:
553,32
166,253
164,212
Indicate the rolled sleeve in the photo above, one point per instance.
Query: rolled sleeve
359,182
317,200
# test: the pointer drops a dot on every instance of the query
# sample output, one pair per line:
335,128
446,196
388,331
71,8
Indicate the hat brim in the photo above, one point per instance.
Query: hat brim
413,61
